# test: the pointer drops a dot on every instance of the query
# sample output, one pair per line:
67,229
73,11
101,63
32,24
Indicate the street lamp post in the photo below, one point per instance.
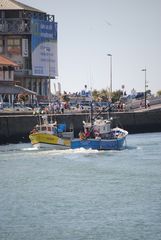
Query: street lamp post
49,80
110,55
47,49
145,84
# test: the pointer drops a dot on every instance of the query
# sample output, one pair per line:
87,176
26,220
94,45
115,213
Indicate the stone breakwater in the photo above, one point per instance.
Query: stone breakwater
16,127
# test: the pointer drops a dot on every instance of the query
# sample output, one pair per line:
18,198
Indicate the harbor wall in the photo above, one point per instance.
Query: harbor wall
16,128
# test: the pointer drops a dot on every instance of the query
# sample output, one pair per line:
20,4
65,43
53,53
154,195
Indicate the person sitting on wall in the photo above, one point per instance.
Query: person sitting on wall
147,103
141,104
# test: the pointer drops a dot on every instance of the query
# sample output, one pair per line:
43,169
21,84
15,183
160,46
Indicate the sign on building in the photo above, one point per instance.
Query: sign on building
44,48
25,48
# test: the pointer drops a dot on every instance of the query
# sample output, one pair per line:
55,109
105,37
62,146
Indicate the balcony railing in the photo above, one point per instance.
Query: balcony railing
15,26
22,72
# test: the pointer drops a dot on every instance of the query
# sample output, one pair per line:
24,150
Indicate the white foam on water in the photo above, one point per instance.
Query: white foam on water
29,149
70,151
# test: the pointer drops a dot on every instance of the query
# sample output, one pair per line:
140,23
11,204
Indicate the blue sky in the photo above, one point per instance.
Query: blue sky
88,30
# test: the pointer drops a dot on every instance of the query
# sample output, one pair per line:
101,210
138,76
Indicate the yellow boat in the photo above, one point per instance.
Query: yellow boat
51,135
43,140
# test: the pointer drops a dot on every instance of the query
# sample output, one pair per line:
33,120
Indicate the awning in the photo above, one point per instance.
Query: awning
15,89
4,61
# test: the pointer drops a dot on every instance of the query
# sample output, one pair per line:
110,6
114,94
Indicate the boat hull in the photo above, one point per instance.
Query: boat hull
47,146
49,141
99,144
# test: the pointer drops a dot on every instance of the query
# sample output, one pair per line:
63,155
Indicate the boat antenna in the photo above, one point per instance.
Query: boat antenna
107,108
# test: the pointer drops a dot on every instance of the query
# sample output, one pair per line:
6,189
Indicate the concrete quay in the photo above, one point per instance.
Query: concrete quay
15,127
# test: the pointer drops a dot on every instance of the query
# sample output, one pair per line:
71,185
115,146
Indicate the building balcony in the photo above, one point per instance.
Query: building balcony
22,72
15,26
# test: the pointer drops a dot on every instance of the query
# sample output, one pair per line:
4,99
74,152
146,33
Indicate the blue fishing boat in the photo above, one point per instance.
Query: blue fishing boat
99,136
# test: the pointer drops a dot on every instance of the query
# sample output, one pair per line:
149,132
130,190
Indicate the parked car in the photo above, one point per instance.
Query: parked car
5,106
20,107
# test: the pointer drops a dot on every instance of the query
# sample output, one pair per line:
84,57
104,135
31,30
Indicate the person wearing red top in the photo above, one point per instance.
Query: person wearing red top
87,133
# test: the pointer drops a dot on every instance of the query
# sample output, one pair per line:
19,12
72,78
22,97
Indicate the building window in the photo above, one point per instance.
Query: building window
1,73
13,46
11,14
10,70
1,46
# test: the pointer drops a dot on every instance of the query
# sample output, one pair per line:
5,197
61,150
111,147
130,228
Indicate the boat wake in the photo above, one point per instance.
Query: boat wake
132,147
71,151
30,149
